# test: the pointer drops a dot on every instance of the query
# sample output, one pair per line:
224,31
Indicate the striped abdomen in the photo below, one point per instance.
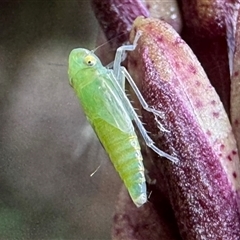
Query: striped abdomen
124,151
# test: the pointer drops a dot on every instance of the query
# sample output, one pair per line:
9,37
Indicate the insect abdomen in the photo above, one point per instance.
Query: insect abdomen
124,151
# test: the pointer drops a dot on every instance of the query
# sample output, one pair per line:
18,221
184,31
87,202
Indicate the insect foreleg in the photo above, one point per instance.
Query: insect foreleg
120,73
119,58
147,139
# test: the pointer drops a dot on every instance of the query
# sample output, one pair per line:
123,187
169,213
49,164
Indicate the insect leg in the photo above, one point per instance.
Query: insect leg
120,56
120,73
147,139
139,95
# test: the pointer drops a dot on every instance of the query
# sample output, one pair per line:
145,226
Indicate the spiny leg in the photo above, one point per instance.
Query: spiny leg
139,95
120,73
133,115
143,131
142,101
149,142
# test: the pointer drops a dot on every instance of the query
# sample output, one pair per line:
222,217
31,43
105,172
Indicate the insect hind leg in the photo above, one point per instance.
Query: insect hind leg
150,143
147,139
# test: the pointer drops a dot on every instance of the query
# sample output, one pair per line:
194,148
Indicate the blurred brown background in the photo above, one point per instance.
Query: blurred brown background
47,149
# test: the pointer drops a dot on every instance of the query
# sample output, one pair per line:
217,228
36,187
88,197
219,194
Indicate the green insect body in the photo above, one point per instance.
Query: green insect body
104,104
101,93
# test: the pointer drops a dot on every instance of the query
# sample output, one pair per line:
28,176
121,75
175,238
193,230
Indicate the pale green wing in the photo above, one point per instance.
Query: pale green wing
110,107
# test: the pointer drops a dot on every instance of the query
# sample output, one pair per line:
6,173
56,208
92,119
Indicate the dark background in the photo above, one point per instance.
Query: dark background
47,149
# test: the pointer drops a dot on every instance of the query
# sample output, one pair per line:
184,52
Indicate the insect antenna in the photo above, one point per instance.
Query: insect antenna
94,50
56,64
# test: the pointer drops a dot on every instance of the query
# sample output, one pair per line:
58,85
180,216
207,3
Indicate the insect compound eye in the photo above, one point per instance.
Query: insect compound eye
90,60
